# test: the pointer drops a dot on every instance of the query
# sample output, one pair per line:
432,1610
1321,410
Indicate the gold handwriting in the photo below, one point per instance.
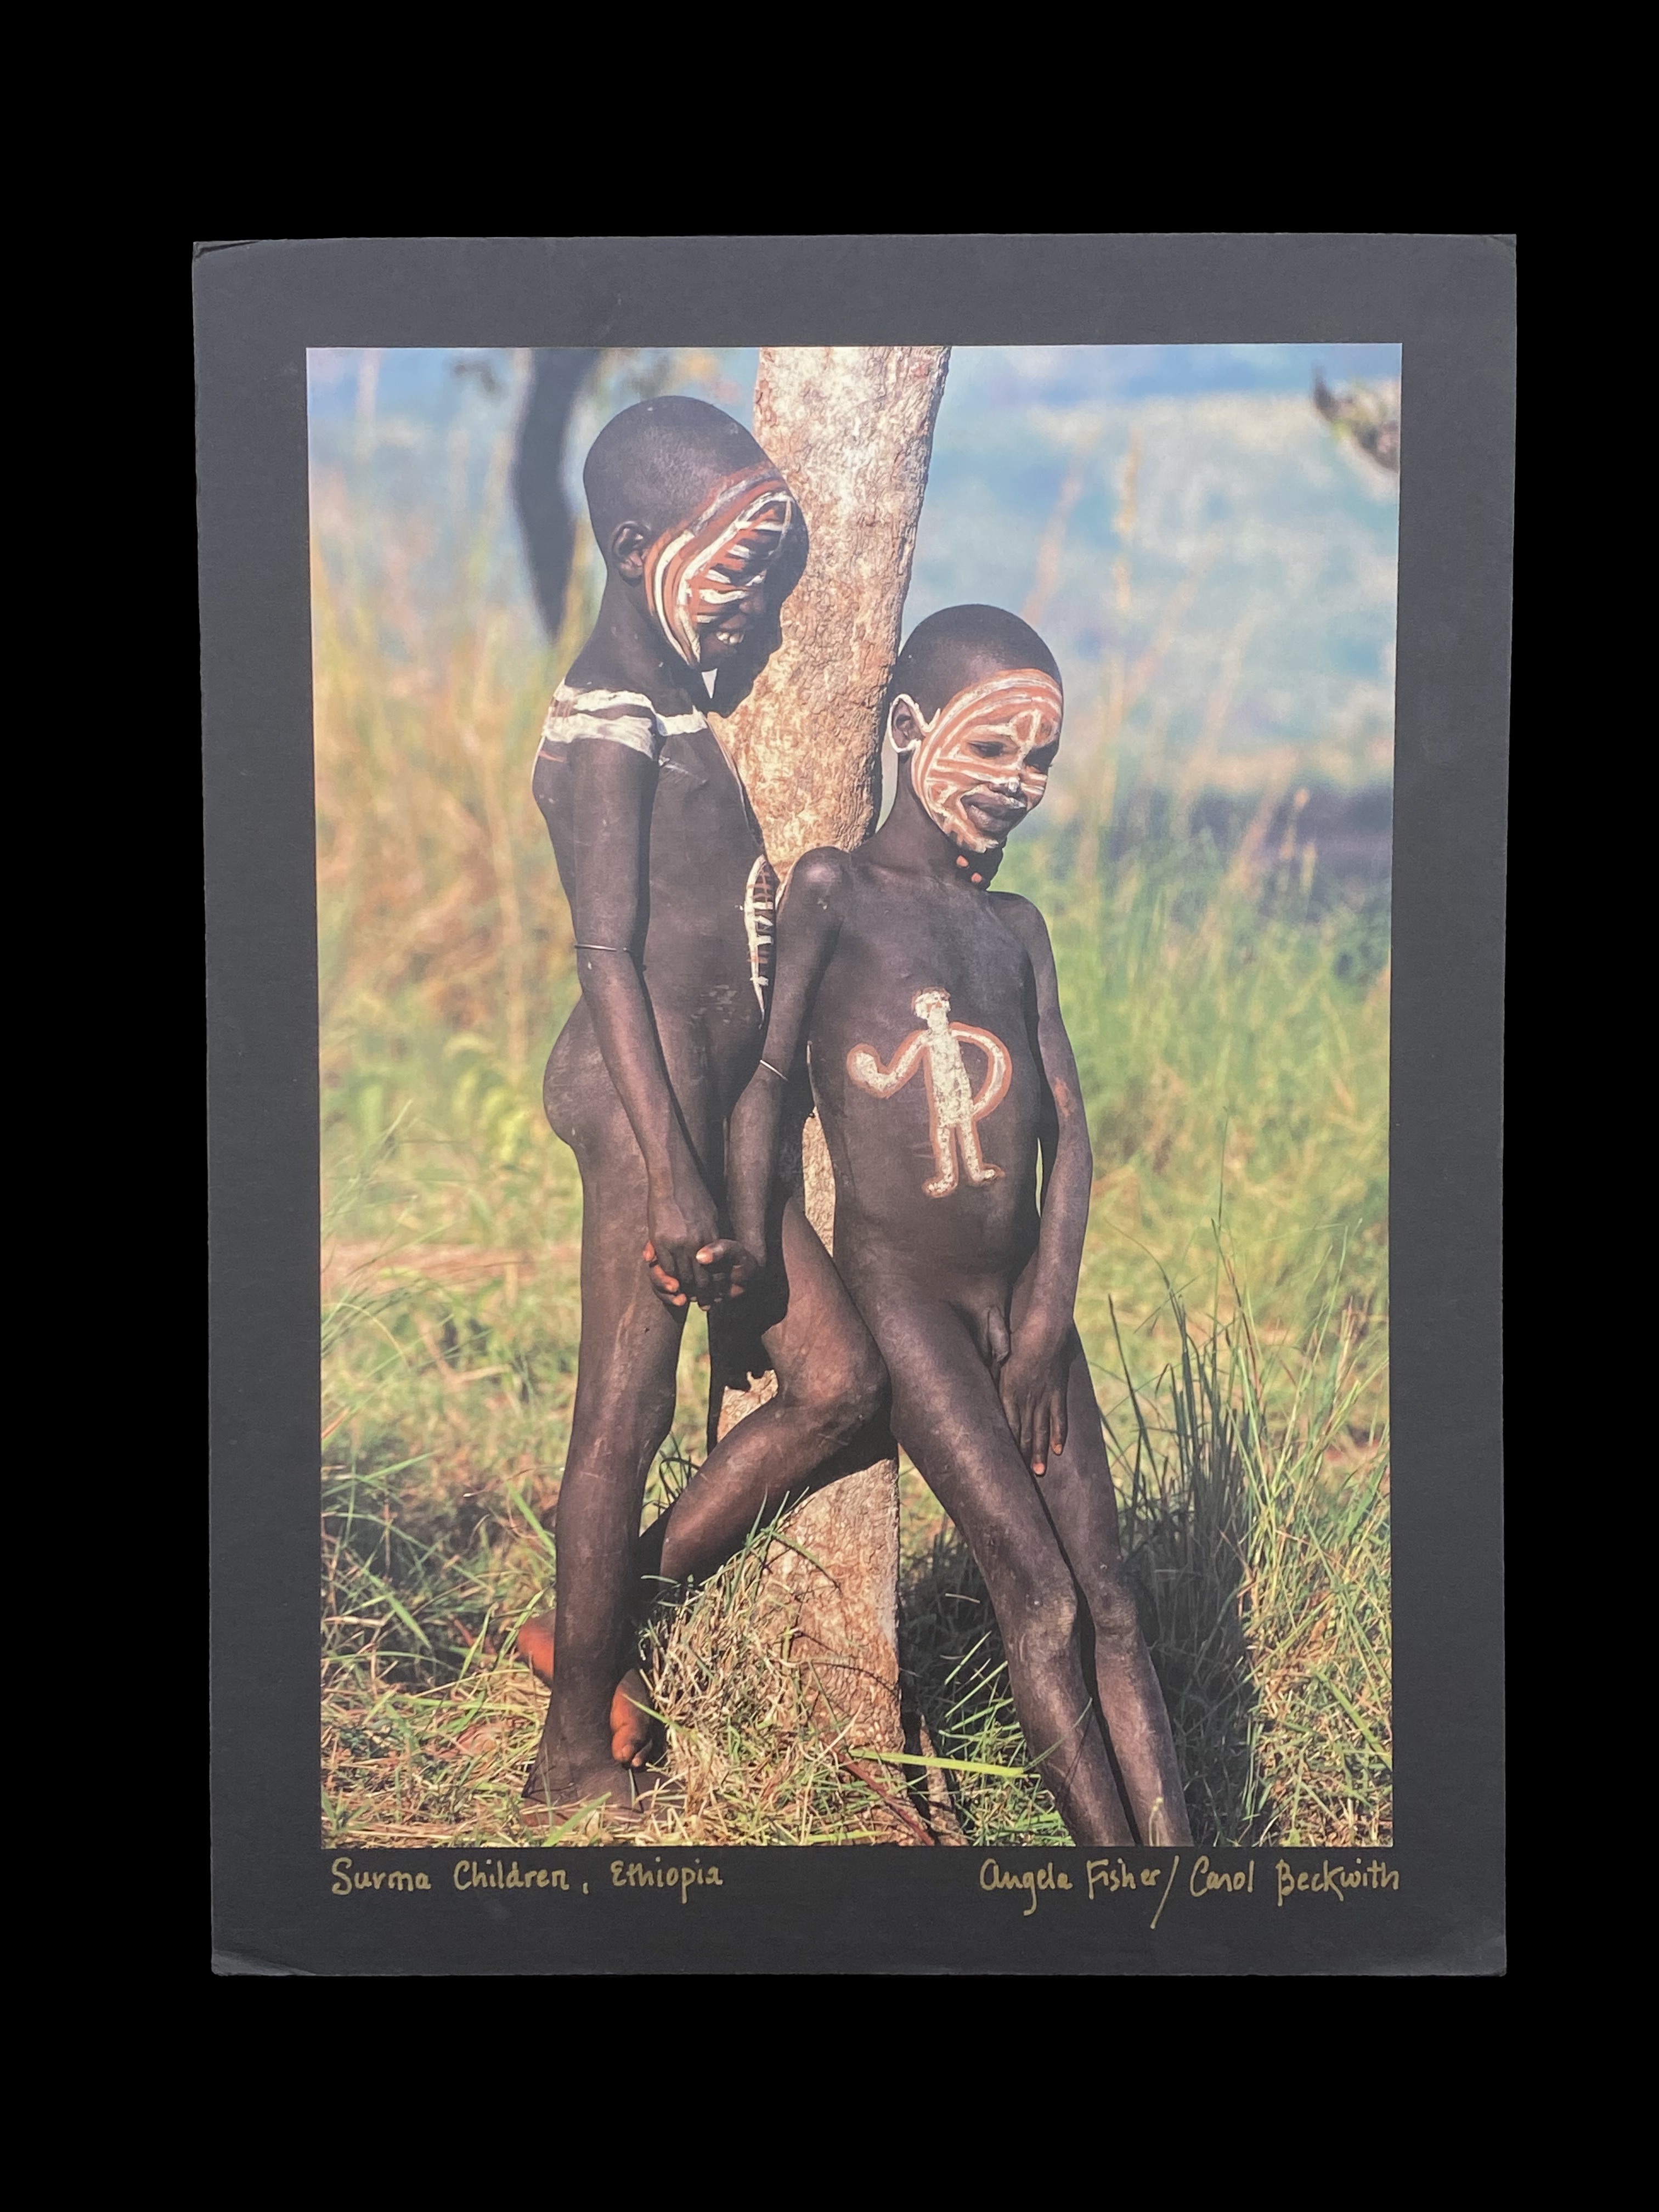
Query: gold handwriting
1333,1881
633,1874
1110,1874
1205,1879
494,1874
395,1878
992,1876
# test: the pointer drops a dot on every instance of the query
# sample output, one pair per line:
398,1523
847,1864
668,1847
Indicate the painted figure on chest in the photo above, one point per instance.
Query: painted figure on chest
672,899
928,1008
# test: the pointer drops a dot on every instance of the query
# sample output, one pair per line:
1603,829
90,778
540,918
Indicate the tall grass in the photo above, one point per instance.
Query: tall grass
1230,1020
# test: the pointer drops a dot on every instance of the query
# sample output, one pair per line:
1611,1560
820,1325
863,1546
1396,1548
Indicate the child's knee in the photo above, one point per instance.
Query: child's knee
1043,1626
843,1394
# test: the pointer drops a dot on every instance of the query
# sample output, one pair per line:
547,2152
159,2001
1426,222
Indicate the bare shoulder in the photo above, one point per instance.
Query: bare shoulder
820,878
592,671
1025,920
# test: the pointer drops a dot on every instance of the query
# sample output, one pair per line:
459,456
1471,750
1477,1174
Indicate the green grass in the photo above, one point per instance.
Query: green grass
1248,1431
1231,1026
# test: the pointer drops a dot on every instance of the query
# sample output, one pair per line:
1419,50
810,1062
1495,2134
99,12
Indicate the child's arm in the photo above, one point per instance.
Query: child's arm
612,787
809,922
1032,1380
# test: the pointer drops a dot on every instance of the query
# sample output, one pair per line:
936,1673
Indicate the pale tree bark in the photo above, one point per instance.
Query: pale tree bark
851,429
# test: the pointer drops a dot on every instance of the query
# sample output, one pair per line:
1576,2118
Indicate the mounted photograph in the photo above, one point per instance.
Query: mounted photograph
853,926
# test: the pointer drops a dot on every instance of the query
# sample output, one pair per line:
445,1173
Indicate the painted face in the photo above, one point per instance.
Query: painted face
697,574
982,764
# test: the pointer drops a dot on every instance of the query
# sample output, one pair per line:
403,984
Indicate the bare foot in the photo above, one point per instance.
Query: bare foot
621,1795
634,1734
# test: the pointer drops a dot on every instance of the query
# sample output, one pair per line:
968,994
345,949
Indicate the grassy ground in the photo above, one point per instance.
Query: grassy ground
1231,1018
1249,1431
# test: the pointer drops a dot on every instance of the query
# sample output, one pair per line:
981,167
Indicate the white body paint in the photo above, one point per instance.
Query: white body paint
954,1107
760,909
624,718
1022,707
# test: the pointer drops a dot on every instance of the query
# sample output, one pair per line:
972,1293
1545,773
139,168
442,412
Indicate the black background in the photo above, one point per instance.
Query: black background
1450,301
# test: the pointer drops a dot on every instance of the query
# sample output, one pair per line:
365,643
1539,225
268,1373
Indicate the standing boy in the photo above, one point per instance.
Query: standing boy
672,899
928,1006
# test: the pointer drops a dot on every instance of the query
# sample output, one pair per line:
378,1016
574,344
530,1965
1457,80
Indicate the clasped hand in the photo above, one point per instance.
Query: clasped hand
686,1257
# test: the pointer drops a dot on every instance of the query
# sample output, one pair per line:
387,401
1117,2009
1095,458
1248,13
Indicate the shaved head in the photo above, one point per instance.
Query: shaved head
974,711
960,646
656,463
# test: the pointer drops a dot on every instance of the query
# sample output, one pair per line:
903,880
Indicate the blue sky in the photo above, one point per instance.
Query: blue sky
1274,543
421,380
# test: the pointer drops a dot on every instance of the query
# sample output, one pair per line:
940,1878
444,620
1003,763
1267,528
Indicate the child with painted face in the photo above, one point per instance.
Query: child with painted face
927,1006
671,901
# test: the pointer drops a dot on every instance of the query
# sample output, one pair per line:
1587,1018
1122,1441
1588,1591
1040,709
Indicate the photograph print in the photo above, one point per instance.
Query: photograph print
882,854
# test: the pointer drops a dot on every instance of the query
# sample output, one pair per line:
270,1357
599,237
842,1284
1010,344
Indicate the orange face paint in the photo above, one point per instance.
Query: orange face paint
1019,712
698,570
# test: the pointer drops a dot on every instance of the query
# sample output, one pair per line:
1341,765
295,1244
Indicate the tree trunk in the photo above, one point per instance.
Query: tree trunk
851,429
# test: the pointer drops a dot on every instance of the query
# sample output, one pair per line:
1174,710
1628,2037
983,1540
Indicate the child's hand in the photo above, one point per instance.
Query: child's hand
681,1222
1031,1383
733,1268
725,1269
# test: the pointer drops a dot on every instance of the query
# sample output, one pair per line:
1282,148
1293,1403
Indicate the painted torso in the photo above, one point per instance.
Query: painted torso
705,947
924,1060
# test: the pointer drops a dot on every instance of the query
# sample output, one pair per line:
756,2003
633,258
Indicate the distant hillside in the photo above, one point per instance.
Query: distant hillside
1247,584
1225,608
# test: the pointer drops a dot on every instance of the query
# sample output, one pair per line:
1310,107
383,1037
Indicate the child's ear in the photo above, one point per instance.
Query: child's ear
902,726
629,544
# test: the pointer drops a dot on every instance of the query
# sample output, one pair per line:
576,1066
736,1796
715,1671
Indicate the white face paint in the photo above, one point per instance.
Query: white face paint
954,1107
696,574
979,746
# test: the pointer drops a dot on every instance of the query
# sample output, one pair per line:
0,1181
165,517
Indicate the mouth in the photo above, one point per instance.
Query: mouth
993,813
721,638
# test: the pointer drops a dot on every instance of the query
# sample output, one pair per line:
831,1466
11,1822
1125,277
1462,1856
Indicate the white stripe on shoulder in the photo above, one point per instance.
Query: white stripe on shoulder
594,702
627,718
634,733
614,715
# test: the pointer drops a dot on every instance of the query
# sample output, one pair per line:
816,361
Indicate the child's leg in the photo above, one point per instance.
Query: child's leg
1078,1494
632,1729
947,1412
825,1420
625,1379
831,1389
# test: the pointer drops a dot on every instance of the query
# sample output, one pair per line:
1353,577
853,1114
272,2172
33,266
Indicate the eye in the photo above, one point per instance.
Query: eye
1043,759
990,749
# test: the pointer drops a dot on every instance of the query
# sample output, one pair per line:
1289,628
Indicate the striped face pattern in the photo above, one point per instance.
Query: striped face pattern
982,742
698,570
